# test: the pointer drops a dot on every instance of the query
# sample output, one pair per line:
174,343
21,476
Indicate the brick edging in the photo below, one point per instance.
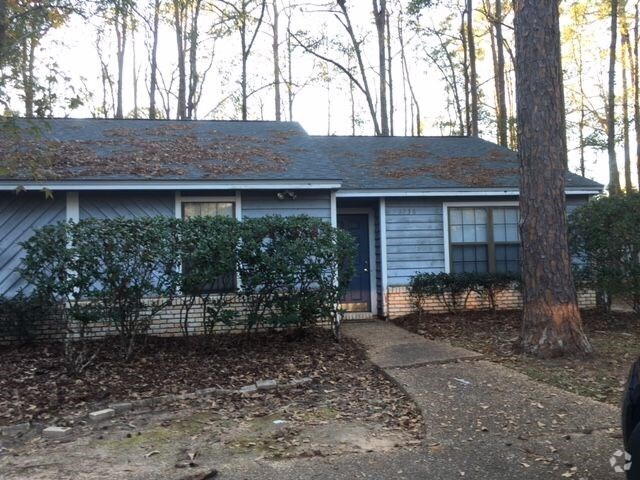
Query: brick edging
116,409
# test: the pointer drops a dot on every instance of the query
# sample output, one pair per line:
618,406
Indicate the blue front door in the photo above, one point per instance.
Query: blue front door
358,296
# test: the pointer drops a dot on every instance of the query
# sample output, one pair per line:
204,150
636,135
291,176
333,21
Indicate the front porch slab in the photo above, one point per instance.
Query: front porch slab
389,346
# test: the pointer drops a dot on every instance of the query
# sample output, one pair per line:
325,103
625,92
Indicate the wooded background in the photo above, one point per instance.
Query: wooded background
383,67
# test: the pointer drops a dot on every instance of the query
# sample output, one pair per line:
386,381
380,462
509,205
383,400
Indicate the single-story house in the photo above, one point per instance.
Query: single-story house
428,204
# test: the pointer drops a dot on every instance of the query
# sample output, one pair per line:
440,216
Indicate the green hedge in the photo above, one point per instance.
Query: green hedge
453,289
605,237
288,270
126,271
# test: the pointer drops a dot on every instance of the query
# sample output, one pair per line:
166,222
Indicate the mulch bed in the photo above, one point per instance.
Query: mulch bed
34,384
615,337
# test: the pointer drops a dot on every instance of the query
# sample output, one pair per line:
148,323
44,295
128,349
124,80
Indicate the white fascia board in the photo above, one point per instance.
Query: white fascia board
169,185
448,193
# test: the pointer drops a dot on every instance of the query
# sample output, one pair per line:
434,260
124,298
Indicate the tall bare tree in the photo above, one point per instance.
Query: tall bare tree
495,18
473,73
243,14
635,75
119,14
153,59
625,57
275,47
551,319
380,18
390,75
359,79
407,80
614,175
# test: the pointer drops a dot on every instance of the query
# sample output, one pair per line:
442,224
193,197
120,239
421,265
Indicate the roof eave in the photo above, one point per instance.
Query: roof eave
159,185
453,192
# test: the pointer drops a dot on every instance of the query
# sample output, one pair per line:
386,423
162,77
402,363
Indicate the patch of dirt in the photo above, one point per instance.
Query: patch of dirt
615,337
349,407
34,384
189,438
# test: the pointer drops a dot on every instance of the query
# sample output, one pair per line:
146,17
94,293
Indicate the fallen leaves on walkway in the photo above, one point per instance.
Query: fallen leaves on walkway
615,337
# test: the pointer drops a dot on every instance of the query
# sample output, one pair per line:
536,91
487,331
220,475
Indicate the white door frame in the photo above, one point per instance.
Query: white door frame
373,273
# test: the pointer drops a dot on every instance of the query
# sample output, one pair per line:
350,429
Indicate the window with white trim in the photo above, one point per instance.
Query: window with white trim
484,239
212,208
207,208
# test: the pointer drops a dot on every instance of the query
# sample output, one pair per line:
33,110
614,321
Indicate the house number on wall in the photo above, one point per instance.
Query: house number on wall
407,211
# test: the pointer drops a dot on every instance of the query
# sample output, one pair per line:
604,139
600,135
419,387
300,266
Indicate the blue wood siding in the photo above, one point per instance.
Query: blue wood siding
126,204
20,215
415,238
260,204
415,235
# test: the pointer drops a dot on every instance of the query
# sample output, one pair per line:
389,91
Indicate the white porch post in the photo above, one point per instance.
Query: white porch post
334,209
383,256
73,207
178,204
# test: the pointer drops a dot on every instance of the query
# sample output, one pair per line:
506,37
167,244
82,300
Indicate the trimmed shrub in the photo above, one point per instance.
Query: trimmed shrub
208,248
119,271
136,261
59,263
289,270
605,237
453,289
124,272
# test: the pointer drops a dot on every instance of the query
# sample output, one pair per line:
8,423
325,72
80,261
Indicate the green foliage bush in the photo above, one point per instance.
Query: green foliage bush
136,262
605,237
289,271
59,264
208,247
453,289
124,272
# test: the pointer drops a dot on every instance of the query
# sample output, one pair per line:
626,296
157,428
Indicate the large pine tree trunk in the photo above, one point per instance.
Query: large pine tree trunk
551,319
614,175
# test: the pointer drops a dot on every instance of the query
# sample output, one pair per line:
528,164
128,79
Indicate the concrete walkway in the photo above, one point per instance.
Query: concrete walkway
485,421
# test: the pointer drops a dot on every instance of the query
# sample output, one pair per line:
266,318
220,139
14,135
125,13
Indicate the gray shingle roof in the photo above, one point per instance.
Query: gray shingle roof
158,150
397,163
96,149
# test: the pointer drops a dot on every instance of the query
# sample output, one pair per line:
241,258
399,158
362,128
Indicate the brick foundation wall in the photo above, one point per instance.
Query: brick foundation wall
167,323
400,303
